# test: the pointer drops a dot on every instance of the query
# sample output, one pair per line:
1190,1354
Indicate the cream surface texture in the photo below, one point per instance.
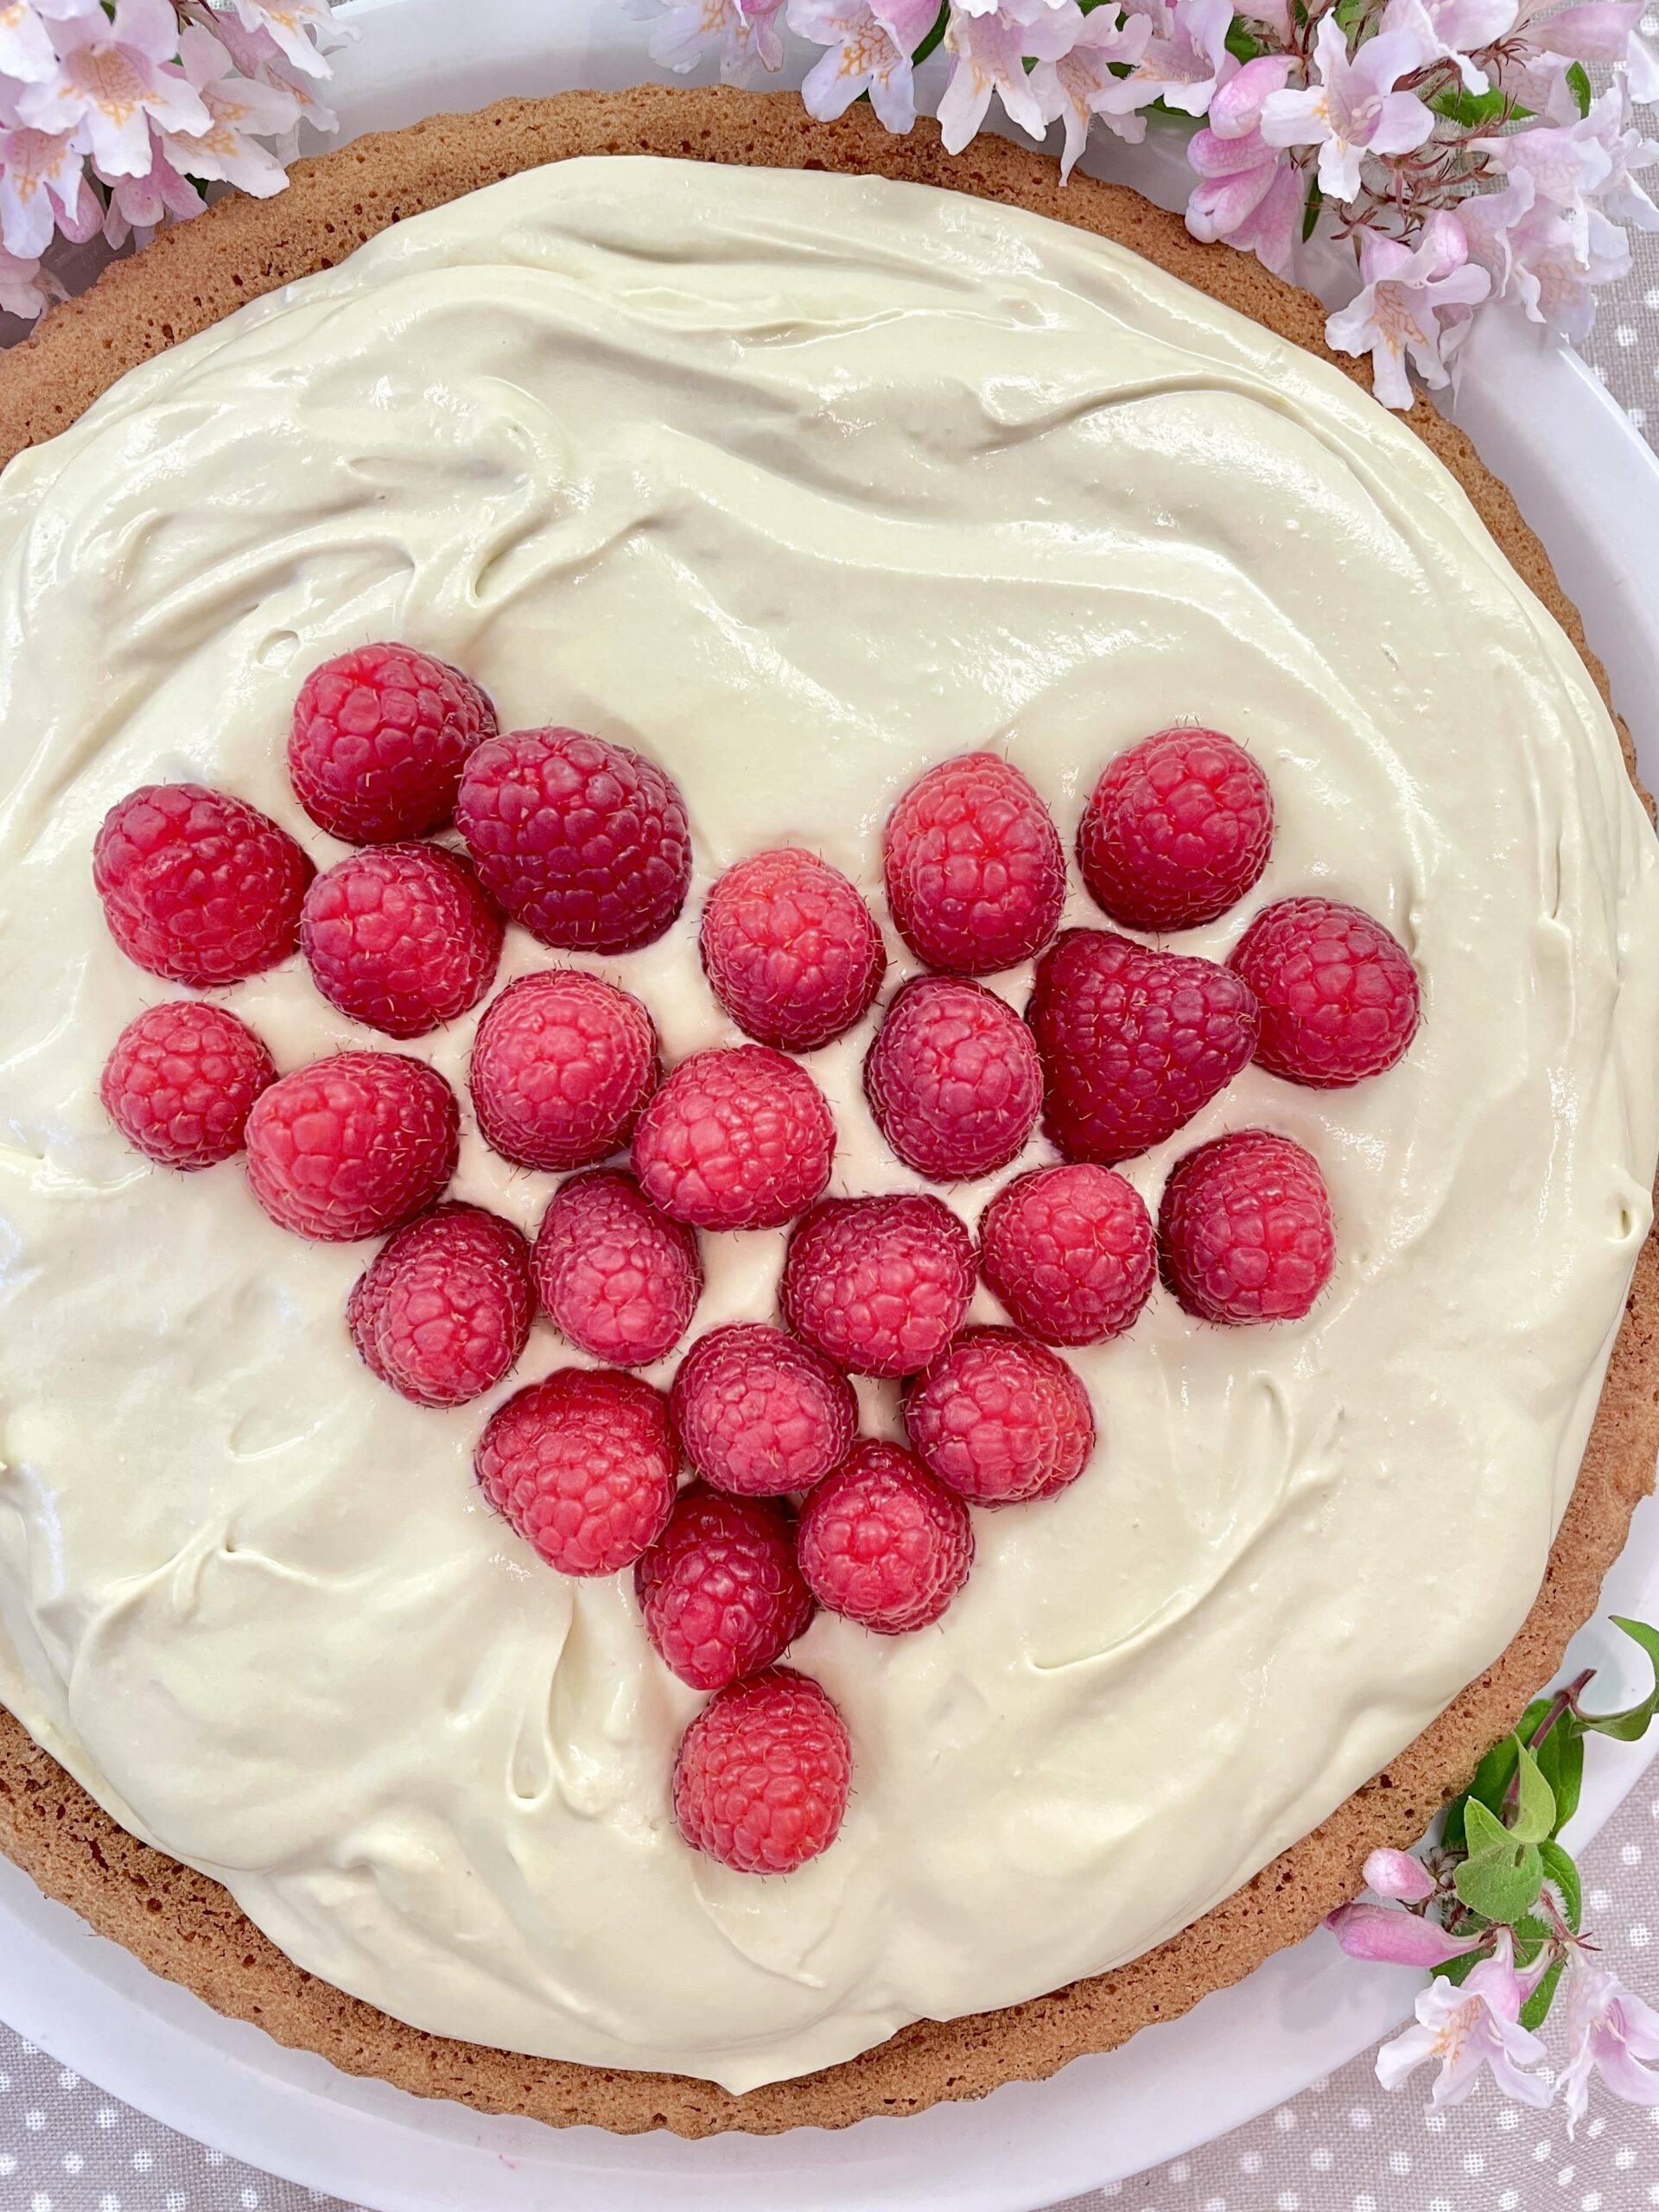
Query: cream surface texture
799,484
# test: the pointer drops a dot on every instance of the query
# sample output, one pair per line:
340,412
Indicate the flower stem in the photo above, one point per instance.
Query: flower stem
1565,1700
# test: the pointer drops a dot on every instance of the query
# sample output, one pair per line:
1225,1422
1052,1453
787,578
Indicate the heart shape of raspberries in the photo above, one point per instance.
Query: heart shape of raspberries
586,845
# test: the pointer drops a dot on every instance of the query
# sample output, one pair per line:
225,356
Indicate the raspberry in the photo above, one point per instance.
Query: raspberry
197,885
1339,994
401,938
380,737
790,951
1000,1419
953,1079
1133,1042
1179,828
352,1146
883,1542
974,871
1244,1230
760,1413
739,1139
760,1783
581,1467
562,1064
584,843
617,1276
181,1081
1069,1252
880,1286
720,1590
442,1312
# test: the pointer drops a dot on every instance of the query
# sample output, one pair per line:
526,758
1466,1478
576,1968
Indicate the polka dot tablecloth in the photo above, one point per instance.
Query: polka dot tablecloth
1624,347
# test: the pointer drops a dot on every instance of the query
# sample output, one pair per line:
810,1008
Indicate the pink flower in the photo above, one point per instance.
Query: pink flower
36,168
1406,307
1249,194
25,287
26,51
115,78
1080,83
1354,109
869,45
1526,248
1453,29
257,54
1397,1939
1609,2030
989,54
1397,1874
1476,2024
237,105
301,30
746,31
1585,167
1235,109
1186,60
144,203
1593,30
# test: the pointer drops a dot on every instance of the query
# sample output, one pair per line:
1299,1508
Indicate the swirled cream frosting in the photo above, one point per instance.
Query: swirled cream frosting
798,483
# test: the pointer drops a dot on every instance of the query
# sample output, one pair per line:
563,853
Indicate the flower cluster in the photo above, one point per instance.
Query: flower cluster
1458,145
116,116
1493,1907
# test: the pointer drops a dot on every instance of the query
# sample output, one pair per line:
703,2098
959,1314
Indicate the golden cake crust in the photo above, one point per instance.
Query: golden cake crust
188,1928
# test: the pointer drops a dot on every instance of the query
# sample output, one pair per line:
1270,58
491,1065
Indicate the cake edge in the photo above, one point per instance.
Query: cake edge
185,1926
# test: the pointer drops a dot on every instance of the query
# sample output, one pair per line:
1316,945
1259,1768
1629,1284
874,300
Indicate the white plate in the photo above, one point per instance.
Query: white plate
1590,488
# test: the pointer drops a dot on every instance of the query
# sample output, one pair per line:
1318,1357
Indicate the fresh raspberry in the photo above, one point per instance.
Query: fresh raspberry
1000,1419
953,1079
585,842
401,938
975,870
720,1589
883,1542
1069,1252
197,885
880,1286
380,737
442,1312
617,1276
1339,994
760,1413
181,1081
738,1139
1133,1042
1244,1230
582,1466
790,951
562,1064
760,1783
352,1146
1179,828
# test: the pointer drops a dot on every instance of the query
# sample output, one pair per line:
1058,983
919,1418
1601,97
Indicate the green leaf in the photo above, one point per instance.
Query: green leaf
1563,1878
1475,111
1628,1727
1534,1812
1502,1884
1533,2011
1578,78
1482,1830
1560,1761
1315,201
1349,13
1458,1969
1241,44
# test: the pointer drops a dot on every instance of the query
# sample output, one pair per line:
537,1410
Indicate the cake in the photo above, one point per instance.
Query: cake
803,484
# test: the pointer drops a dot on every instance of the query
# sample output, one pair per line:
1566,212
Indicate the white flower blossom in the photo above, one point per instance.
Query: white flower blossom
746,32
1452,29
238,106
115,78
1354,110
1186,61
1585,167
38,167
1409,309
988,55
868,43
1609,2030
1081,83
1476,2023
301,30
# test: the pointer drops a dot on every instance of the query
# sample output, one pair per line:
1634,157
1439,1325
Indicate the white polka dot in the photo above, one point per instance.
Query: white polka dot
106,2116
1434,2122
250,2200
1598,2126
109,2202
1566,2174
1509,2117
1364,2203
1651,26
1541,2152
5,2083
1284,2118
142,2162
1631,1854
30,2050
1591,2200
1600,1900
213,2158
1287,2201
176,2200
1318,2085
1215,2204
1598,372
1473,2163
1440,2204
1638,1938
35,2121
1359,2117
1399,2161
1180,2171
40,2202
1250,2163
1650,297
1509,2199
1639,421
68,2081
1624,2158
8,2162
1321,2161
73,2161
1625,334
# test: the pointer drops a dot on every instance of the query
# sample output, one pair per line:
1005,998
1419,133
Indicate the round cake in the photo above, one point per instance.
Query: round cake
676,419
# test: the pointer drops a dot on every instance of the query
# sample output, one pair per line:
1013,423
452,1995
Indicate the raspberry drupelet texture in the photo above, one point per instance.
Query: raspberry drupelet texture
562,1064
380,736
883,1542
1337,992
761,1779
198,887
1178,829
720,1590
1000,1419
790,951
1134,1042
181,1082
442,1312
616,1276
975,873
1069,1252
739,1138
953,1079
583,842
582,1466
1244,1230
760,1413
352,1146
400,937
880,1286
